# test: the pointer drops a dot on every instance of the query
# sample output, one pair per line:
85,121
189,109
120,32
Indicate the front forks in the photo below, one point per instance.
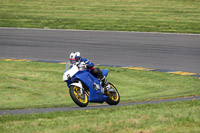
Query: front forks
82,90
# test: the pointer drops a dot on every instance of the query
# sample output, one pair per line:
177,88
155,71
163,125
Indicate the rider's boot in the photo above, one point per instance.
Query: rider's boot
105,84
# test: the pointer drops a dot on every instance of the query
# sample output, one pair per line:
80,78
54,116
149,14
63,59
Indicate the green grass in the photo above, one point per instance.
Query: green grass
174,117
38,84
119,15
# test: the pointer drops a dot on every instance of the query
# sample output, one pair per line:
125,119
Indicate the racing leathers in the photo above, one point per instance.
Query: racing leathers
96,72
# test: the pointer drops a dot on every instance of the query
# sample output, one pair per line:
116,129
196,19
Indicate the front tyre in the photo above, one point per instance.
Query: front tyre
80,99
113,98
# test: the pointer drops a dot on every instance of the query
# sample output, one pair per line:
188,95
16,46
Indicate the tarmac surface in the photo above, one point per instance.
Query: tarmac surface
61,109
151,50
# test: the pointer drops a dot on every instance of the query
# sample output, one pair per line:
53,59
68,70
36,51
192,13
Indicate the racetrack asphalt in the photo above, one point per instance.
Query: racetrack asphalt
150,50
64,109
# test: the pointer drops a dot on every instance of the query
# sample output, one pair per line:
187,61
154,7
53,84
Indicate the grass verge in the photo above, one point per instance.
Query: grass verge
119,15
38,84
164,117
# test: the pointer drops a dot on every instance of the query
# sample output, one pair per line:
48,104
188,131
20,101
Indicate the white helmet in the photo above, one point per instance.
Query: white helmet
75,57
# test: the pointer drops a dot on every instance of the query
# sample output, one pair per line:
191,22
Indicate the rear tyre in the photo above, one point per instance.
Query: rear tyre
113,98
80,99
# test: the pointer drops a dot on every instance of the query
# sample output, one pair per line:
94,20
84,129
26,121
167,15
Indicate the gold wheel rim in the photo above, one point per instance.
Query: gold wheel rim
77,96
114,98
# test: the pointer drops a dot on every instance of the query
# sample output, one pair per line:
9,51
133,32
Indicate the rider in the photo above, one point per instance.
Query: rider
75,58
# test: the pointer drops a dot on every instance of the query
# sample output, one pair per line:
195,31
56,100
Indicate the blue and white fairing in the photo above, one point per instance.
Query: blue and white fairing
74,74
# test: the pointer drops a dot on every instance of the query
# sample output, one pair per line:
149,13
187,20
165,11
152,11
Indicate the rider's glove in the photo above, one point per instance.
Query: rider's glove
82,66
87,66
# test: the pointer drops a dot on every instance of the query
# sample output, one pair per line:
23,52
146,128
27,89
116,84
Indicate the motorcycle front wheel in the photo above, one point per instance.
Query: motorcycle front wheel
80,99
113,98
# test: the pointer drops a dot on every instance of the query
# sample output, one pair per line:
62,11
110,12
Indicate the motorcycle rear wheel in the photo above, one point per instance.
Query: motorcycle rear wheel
80,100
113,99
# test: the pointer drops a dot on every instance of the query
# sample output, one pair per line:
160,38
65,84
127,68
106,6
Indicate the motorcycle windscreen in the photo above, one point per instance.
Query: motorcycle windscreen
71,72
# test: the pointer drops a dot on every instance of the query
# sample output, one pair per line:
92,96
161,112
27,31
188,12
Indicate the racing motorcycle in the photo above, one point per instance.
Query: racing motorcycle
84,87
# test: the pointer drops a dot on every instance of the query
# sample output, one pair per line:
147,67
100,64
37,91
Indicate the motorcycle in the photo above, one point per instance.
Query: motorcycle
84,87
